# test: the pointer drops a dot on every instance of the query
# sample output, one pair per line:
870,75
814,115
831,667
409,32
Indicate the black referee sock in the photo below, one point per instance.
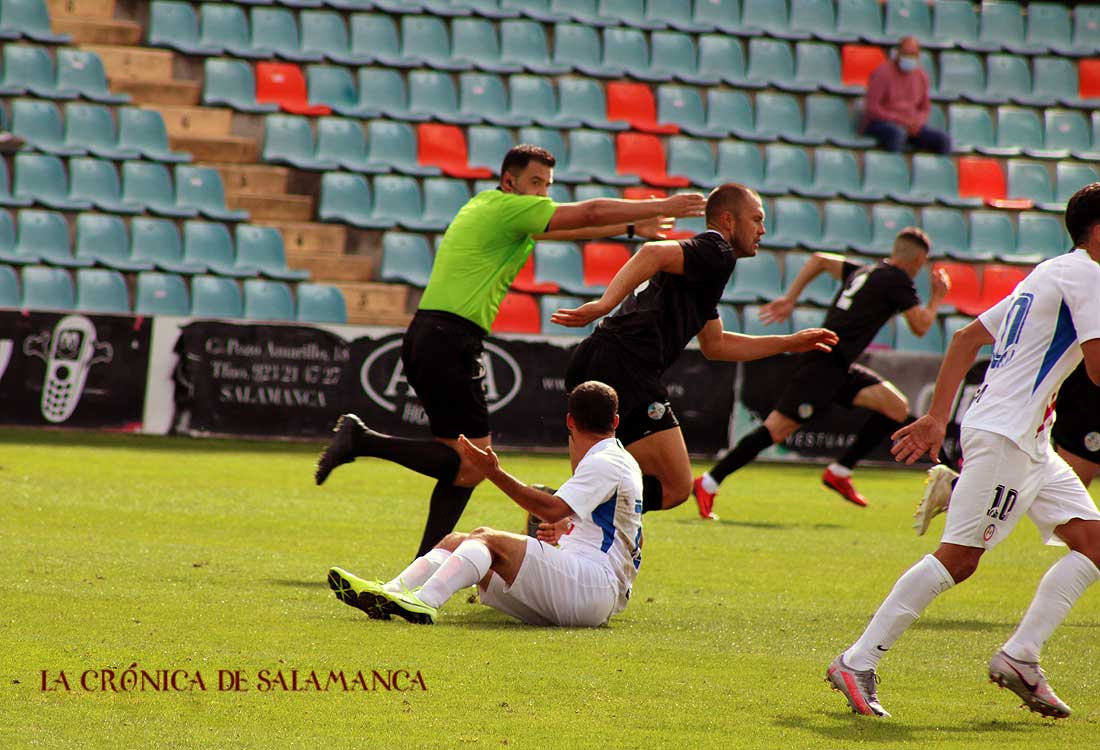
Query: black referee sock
652,494
445,509
428,457
874,431
747,449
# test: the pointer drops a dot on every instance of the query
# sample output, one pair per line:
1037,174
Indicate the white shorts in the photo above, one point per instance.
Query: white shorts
1000,483
555,587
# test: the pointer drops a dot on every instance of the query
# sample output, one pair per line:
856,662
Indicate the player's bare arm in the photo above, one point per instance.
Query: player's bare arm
600,212
920,318
648,229
780,309
652,258
542,504
927,433
727,346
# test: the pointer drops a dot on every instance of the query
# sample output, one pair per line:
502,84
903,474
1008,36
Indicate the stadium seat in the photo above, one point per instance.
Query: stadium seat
161,294
29,69
991,233
862,19
767,18
534,97
1088,83
961,75
998,281
47,289
834,171
1068,130
224,26
6,197
348,198
157,241
948,232
43,236
289,140
730,317
96,181
1039,237
721,57
633,103
536,9
340,141
209,245
7,243
779,116
519,313
82,72
523,43
262,247
595,153
885,174
965,292
425,38
931,342
753,326
820,291
488,146
392,145
1086,23
384,90
857,62
954,22
550,304
771,63
1002,27
786,168
1029,183
201,188
829,119
39,123
444,146
10,295
482,96
90,126
324,33
796,222
816,18
406,258
1021,128
374,36
740,162
525,280
981,177
844,225
321,303
683,107
583,99
730,112
579,47
267,300
105,241
561,264
150,185
971,129
886,222
674,54
100,290
1070,178
216,297
755,280
552,141
176,25
693,159
908,18
433,94
1048,27
29,19
474,40
232,83
44,180
817,66
602,260
627,51
1055,80
332,86
276,29
935,177
284,85
443,197
643,155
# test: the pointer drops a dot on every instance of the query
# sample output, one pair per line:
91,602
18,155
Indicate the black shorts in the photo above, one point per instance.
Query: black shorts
643,399
821,379
1077,422
442,359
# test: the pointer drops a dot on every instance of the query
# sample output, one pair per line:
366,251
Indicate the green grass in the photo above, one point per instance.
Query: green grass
207,555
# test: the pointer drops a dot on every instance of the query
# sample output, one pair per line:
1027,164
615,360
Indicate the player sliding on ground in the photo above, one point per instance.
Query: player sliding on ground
581,583
671,292
869,296
483,250
1040,332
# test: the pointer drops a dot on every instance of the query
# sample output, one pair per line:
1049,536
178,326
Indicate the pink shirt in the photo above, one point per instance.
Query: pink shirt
895,96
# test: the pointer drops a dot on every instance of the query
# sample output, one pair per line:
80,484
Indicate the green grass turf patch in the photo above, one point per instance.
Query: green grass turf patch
194,555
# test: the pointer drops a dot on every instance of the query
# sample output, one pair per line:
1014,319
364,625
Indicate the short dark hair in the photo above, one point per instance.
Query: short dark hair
910,239
1082,211
593,406
518,157
728,197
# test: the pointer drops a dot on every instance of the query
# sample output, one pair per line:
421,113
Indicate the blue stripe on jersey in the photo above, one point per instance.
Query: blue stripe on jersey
1064,336
604,517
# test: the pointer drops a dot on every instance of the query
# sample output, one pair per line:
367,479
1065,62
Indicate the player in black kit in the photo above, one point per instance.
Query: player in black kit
1076,430
671,292
869,296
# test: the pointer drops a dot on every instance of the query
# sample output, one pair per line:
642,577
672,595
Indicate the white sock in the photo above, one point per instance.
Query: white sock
419,571
914,591
709,484
1059,590
840,471
466,566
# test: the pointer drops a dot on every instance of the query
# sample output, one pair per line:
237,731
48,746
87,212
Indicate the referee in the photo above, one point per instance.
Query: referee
482,251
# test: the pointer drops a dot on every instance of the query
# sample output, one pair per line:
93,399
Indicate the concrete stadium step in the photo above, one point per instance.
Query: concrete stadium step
272,206
371,303
311,237
87,30
82,8
145,74
218,148
195,121
333,268
253,178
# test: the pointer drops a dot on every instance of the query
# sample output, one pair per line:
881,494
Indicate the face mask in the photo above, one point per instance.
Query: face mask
907,64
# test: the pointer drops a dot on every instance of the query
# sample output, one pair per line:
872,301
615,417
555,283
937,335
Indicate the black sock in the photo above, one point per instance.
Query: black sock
428,457
652,494
445,509
747,448
874,431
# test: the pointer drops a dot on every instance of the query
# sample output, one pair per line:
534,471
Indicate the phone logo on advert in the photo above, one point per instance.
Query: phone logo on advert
69,351
383,377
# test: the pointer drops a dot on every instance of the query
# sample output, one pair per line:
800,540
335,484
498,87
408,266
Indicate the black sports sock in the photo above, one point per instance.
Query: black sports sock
874,431
428,457
652,494
747,449
445,509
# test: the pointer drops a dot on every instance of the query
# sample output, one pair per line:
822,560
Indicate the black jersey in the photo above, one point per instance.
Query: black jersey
660,317
868,298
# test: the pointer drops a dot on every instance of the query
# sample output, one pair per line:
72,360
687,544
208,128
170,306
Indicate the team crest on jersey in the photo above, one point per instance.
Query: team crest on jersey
1092,442
990,530
805,411
656,410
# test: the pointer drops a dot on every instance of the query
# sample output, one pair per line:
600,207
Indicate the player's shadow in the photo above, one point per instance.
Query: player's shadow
309,584
973,625
842,727
763,524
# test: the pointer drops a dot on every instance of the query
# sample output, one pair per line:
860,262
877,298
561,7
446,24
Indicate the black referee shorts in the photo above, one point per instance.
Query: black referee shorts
441,354
821,379
643,398
1077,421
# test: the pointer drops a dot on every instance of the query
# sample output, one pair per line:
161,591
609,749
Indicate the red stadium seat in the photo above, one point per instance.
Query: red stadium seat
643,192
998,281
1088,79
519,313
643,155
634,103
857,61
981,177
284,84
965,291
444,146
525,281
602,260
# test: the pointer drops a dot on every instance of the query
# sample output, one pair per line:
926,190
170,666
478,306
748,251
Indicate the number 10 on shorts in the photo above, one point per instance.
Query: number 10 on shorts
1002,503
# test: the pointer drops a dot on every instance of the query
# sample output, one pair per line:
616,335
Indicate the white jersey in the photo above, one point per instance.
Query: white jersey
605,494
1038,330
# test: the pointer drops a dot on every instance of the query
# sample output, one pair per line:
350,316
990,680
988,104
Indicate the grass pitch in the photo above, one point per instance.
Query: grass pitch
180,555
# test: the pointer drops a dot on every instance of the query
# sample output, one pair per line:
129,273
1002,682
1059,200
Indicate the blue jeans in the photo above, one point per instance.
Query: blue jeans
893,137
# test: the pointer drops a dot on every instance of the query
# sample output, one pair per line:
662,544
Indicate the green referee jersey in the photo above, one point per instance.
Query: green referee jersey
482,251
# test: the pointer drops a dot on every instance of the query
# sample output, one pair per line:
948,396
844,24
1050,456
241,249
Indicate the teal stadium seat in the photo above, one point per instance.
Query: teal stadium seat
1002,27
176,25
844,224
443,197
829,120
693,159
323,32
201,188
730,317
535,97
909,18
7,242
209,244
482,95
262,247
224,26
955,22
340,140
6,197
143,130
562,264
626,52
796,221
29,69
1068,130
631,13
755,280
161,294
523,43
90,126
730,112
347,198
785,169
39,123
583,99
44,180
740,162
96,181
1039,237
861,19
475,40
596,152
425,38
991,234
334,87
157,241
935,177
961,75
780,116
931,342
44,236
321,303
384,90
82,71
719,15
1031,181
406,258
820,291
722,57
47,289
1086,24
105,241
392,145
771,63
100,290
10,295
374,35
769,18
150,185
276,29
886,222
216,297
834,172
1071,177
550,304
885,174
971,128
674,54
753,326
817,66
1049,28
682,106
948,231
552,141
433,93
29,19
233,84
488,146
288,139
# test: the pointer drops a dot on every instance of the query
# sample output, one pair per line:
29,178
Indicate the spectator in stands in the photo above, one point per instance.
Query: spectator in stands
896,106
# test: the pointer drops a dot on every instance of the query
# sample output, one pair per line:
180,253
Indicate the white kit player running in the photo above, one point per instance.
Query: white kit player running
581,583
1040,333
